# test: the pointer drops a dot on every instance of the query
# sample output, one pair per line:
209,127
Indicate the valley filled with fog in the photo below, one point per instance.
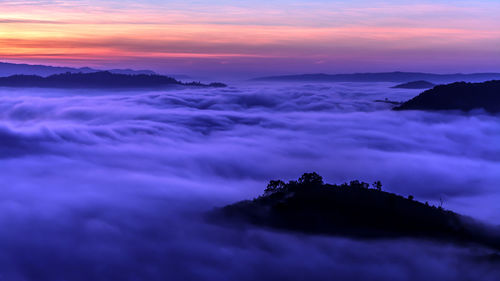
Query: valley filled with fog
100,185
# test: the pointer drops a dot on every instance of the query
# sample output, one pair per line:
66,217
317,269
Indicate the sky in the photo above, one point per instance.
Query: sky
249,38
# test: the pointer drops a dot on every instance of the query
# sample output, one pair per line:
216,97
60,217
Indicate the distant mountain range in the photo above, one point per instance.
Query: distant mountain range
415,85
8,69
458,96
397,77
97,80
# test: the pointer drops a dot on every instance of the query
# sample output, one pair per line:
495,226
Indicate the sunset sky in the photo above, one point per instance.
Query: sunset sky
254,37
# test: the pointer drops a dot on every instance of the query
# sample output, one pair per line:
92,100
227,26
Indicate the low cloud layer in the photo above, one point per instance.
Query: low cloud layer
112,186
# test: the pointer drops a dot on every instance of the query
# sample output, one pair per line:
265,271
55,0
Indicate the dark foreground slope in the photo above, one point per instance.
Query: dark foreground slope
458,96
310,206
97,80
421,84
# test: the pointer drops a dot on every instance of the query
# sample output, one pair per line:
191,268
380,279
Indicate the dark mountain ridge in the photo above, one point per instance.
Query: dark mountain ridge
457,96
397,77
310,206
9,69
97,80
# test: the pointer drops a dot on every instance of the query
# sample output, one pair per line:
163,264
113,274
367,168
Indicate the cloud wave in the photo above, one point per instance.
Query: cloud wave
113,185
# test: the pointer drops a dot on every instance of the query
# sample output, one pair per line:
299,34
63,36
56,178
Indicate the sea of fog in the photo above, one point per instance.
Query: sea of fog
113,185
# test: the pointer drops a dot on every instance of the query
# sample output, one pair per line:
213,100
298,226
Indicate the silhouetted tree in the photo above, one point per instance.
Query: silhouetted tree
274,186
354,183
377,185
358,184
311,179
410,197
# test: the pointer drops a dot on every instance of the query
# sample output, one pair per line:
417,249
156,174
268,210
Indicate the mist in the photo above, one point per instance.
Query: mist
101,185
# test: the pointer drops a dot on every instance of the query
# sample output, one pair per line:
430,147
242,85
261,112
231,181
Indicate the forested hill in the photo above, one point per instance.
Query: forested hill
355,209
98,80
457,96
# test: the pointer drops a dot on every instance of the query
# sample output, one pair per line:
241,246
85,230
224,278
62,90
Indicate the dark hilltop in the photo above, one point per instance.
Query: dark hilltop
458,96
421,84
308,205
98,80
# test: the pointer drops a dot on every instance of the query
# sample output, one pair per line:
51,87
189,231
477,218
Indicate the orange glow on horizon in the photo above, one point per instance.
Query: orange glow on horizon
79,32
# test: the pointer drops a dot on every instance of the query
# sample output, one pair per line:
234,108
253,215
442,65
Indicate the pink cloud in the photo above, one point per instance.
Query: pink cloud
77,31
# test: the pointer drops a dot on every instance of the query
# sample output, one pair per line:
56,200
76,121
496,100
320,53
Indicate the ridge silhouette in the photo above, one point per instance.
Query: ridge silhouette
457,96
98,80
396,76
353,209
